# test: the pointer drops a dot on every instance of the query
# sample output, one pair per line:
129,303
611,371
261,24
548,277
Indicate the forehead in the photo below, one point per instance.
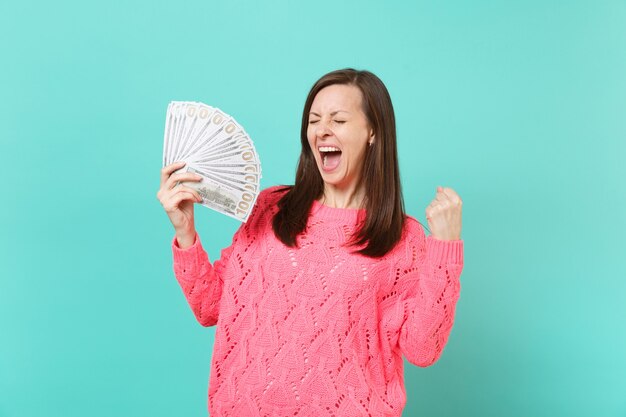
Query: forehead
337,97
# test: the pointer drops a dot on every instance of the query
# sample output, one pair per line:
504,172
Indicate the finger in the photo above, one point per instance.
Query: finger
434,203
449,192
444,196
431,209
166,171
437,206
183,188
441,197
173,203
165,196
180,177
452,195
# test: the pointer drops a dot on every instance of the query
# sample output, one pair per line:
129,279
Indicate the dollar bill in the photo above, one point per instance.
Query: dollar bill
232,200
216,147
199,119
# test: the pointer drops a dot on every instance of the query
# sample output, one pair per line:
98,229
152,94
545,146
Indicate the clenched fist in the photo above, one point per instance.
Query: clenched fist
444,215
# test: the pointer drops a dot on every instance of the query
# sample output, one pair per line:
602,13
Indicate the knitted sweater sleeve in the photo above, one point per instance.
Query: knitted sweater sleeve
418,314
200,281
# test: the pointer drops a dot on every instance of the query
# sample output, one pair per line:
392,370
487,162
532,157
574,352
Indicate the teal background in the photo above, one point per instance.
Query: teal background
519,106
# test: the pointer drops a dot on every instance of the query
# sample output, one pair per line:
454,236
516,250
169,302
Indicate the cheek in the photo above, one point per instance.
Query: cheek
358,146
356,158
310,138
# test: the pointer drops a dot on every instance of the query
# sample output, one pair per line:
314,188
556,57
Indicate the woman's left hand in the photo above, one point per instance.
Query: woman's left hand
444,215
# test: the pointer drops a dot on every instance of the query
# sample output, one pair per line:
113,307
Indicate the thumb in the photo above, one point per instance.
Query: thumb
440,189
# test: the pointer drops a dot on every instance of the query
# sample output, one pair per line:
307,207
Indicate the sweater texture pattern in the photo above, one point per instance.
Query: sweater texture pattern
318,330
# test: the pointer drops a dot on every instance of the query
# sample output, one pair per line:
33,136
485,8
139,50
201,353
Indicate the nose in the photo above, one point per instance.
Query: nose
322,130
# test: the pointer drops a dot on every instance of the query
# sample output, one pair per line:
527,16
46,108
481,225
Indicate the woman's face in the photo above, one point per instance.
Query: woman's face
338,133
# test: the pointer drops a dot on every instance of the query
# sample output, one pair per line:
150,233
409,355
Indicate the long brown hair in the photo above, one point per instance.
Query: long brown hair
384,206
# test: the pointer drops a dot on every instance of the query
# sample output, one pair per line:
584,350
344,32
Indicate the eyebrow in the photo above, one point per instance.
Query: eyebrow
332,114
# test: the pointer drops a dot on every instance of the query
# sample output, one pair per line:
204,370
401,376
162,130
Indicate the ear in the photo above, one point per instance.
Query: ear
372,136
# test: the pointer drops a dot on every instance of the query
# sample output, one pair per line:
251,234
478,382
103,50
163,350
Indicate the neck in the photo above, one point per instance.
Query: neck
343,197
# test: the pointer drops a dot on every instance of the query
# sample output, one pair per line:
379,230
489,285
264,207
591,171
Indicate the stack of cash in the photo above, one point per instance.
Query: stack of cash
216,147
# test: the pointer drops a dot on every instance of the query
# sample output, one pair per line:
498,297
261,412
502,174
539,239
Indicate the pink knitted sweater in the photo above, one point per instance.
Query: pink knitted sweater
317,330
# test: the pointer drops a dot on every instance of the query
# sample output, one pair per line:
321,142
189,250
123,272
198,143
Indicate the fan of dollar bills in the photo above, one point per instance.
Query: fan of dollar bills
216,147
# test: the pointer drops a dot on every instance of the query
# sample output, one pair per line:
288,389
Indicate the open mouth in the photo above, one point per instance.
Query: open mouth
331,156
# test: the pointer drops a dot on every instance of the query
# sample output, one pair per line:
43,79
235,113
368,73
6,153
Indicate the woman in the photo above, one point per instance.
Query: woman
328,283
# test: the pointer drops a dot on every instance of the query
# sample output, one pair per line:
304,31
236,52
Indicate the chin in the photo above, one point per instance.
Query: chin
334,179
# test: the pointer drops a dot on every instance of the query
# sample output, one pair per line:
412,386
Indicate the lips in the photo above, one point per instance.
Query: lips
331,157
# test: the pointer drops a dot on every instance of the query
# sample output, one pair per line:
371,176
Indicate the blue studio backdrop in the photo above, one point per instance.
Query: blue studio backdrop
518,106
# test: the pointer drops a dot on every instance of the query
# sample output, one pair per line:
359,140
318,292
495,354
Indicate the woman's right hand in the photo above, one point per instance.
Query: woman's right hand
177,200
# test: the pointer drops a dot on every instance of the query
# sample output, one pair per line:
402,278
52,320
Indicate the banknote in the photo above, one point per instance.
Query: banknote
196,119
234,201
216,147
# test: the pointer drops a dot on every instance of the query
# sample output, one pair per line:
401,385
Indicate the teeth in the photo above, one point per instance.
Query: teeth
329,149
